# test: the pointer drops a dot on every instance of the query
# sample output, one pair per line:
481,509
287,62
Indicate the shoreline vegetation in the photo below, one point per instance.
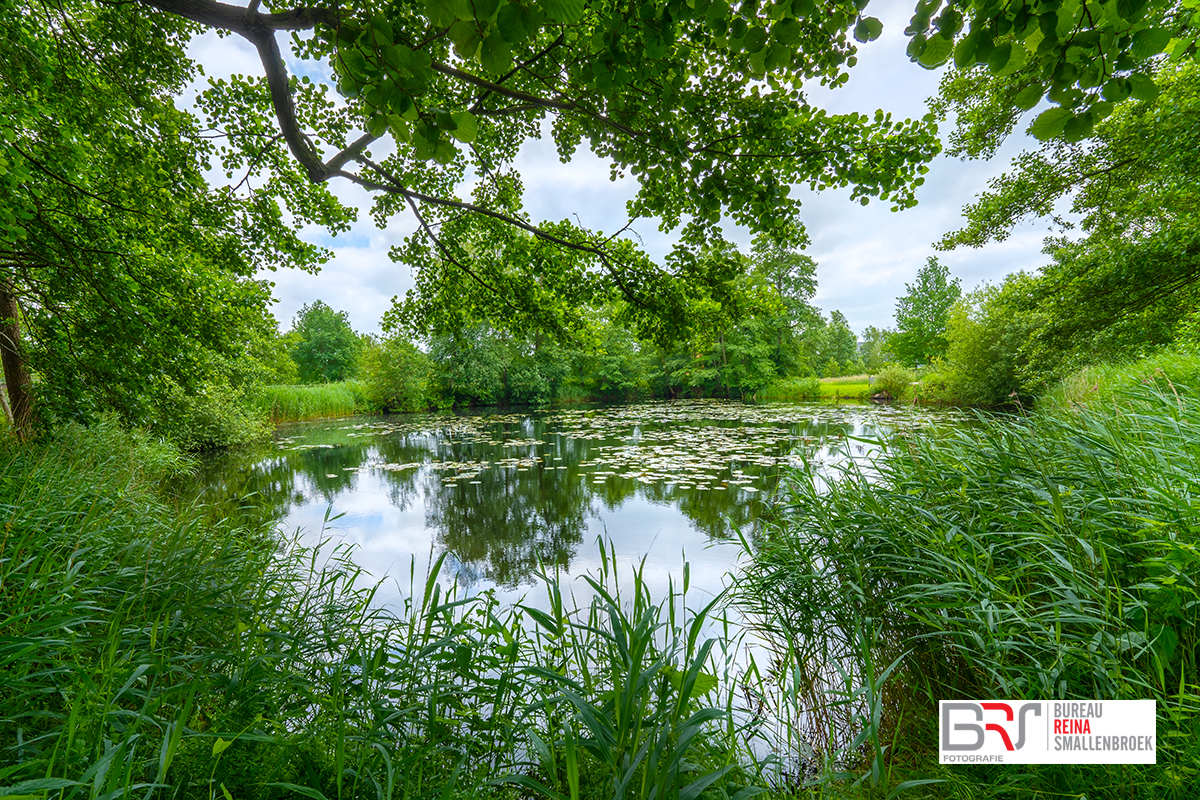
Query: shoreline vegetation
1045,556
282,403
148,650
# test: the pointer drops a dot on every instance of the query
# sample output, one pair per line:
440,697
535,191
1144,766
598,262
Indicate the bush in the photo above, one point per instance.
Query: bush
217,415
397,376
894,381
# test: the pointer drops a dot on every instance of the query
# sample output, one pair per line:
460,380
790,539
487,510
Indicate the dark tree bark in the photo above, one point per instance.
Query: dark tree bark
16,377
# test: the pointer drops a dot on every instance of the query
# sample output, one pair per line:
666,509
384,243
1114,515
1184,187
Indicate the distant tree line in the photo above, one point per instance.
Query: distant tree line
756,326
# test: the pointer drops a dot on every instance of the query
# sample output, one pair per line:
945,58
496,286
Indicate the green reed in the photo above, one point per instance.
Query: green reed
1043,557
297,403
145,652
792,389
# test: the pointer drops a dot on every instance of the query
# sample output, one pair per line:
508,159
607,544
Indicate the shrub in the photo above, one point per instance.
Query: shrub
894,381
397,376
217,415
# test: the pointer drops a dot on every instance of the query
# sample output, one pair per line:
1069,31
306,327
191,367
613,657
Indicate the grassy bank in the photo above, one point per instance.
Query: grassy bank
850,387
793,389
1045,557
144,652
297,403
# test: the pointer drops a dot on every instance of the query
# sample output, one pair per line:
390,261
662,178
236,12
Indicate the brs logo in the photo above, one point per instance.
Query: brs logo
977,711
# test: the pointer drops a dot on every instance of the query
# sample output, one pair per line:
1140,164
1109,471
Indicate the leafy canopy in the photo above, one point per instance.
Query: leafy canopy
1123,285
701,102
133,278
1085,57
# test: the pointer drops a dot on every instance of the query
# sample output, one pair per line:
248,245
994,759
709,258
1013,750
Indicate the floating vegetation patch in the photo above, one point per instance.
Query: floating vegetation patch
505,493
696,445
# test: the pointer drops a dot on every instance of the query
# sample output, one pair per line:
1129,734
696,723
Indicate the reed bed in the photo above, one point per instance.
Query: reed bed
146,652
1046,557
297,403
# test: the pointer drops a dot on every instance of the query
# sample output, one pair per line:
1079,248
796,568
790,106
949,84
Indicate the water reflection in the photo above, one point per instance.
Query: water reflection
508,494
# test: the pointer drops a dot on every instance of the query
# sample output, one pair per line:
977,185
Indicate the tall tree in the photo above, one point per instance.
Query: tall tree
922,313
122,269
793,278
1135,272
843,344
874,348
326,348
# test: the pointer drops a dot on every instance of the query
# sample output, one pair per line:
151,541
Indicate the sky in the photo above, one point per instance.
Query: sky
865,254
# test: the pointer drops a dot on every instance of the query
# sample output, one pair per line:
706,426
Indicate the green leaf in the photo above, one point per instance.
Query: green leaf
1131,10
1149,42
1117,89
1143,87
998,58
444,152
220,746
758,63
462,31
1050,123
786,31
496,56
868,29
466,126
567,12
383,30
937,52
514,23
399,128
717,16
1028,97
440,12
377,125
1079,127
756,39
484,9
964,51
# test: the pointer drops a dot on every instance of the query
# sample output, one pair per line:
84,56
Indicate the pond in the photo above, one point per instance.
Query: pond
503,495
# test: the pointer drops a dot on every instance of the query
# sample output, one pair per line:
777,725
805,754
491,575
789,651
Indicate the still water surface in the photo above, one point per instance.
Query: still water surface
503,495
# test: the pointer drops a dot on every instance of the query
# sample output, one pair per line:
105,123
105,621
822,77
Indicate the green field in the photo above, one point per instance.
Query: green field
855,387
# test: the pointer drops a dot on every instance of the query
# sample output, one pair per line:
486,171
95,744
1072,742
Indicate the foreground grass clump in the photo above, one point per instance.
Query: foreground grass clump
1047,557
145,652
297,403
1099,386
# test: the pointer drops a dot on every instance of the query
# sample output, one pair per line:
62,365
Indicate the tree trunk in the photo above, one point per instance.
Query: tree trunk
16,377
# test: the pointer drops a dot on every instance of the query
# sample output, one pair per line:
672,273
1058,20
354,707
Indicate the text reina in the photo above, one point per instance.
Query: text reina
1076,717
